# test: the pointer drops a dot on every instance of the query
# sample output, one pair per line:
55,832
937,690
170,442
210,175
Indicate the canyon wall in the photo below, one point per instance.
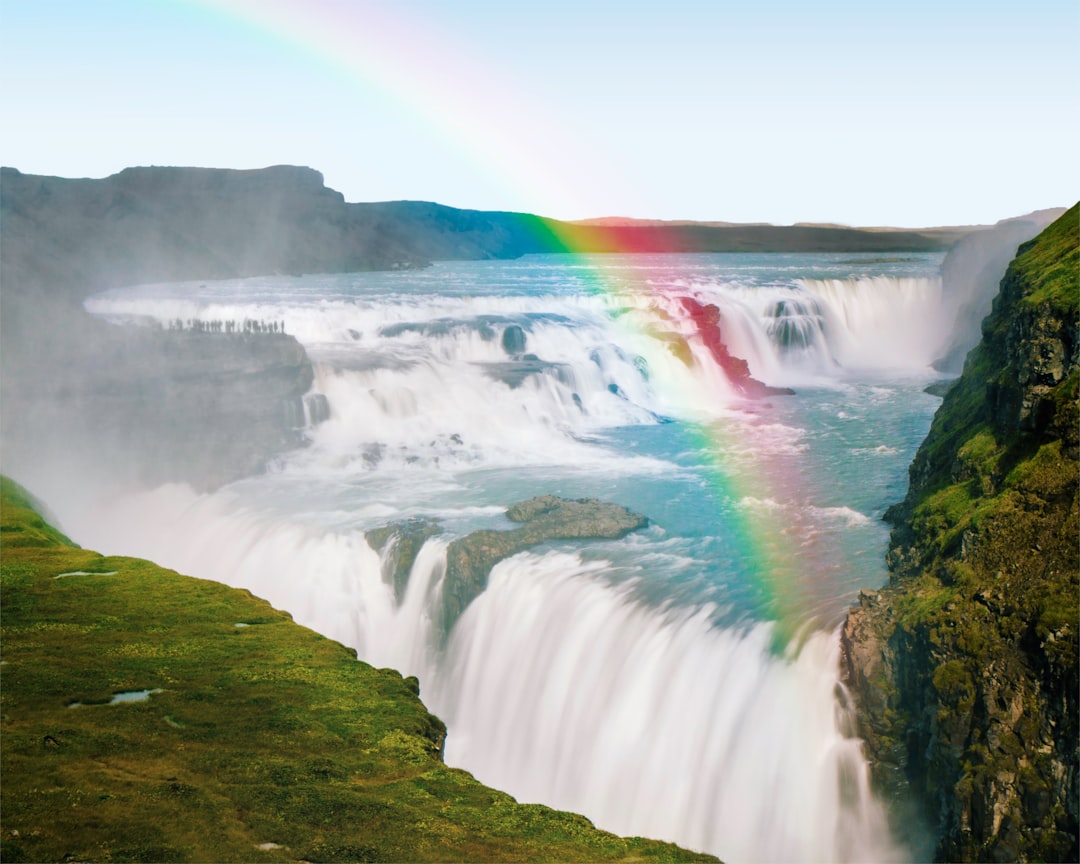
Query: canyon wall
964,666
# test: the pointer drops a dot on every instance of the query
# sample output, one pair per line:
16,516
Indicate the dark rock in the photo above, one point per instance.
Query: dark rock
514,372
469,559
513,340
317,408
404,539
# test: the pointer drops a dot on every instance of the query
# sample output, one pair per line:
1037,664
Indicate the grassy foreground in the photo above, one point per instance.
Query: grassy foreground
260,740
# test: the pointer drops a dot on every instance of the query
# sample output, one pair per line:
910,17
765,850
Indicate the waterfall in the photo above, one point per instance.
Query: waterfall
634,681
654,721
882,322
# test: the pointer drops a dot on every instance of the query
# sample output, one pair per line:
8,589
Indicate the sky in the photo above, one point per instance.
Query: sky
909,113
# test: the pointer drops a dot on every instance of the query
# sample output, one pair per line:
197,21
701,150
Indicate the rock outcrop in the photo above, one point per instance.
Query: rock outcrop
136,406
964,666
469,559
399,544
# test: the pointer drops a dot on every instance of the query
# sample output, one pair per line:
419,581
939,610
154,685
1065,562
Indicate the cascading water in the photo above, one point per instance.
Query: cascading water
637,681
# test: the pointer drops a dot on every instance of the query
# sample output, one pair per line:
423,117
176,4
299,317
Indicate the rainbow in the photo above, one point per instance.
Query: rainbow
387,51
363,41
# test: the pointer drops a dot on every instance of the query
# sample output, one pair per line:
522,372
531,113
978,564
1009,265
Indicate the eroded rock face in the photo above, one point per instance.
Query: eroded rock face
964,667
469,559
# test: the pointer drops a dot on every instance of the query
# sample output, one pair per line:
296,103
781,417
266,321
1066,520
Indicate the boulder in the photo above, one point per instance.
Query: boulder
513,340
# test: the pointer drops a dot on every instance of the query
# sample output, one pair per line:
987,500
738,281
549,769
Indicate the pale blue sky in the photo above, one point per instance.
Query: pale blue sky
900,113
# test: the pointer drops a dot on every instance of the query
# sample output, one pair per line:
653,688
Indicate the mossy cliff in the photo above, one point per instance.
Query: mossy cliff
964,666
246,738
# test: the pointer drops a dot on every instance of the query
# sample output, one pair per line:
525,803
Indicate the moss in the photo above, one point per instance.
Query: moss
21,523
1050,265
266,734
953,682
923,601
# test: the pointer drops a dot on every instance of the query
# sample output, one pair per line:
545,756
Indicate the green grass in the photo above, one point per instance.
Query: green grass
265,743
1050,264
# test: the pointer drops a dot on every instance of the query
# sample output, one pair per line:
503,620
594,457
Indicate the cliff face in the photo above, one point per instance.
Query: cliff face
964,667
132,406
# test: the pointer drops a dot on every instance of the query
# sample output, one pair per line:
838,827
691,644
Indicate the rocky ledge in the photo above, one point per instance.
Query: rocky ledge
137,405
469,559
964,666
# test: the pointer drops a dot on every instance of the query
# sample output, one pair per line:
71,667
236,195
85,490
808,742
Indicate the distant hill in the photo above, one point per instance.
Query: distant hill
80,236
628,221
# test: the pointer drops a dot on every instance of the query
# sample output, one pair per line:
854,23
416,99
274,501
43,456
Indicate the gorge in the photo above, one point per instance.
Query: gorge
452,394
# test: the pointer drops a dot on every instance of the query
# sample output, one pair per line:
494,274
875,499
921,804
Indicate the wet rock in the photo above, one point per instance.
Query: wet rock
707,320
399,544
469,559
317,408
513,340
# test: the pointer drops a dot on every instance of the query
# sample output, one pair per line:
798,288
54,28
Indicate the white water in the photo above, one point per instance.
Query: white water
633,681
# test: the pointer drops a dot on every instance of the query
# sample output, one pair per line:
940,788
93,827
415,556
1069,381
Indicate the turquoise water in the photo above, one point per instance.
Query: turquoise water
637,680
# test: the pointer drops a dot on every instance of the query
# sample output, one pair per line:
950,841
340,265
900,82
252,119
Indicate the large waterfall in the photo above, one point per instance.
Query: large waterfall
644,681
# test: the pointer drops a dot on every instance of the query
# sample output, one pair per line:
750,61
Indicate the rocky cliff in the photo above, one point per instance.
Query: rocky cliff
964,666
136,406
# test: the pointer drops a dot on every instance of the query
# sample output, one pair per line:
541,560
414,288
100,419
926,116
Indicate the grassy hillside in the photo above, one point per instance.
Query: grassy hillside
259,740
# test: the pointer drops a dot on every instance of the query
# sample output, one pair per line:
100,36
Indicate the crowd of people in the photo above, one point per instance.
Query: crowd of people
247,326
